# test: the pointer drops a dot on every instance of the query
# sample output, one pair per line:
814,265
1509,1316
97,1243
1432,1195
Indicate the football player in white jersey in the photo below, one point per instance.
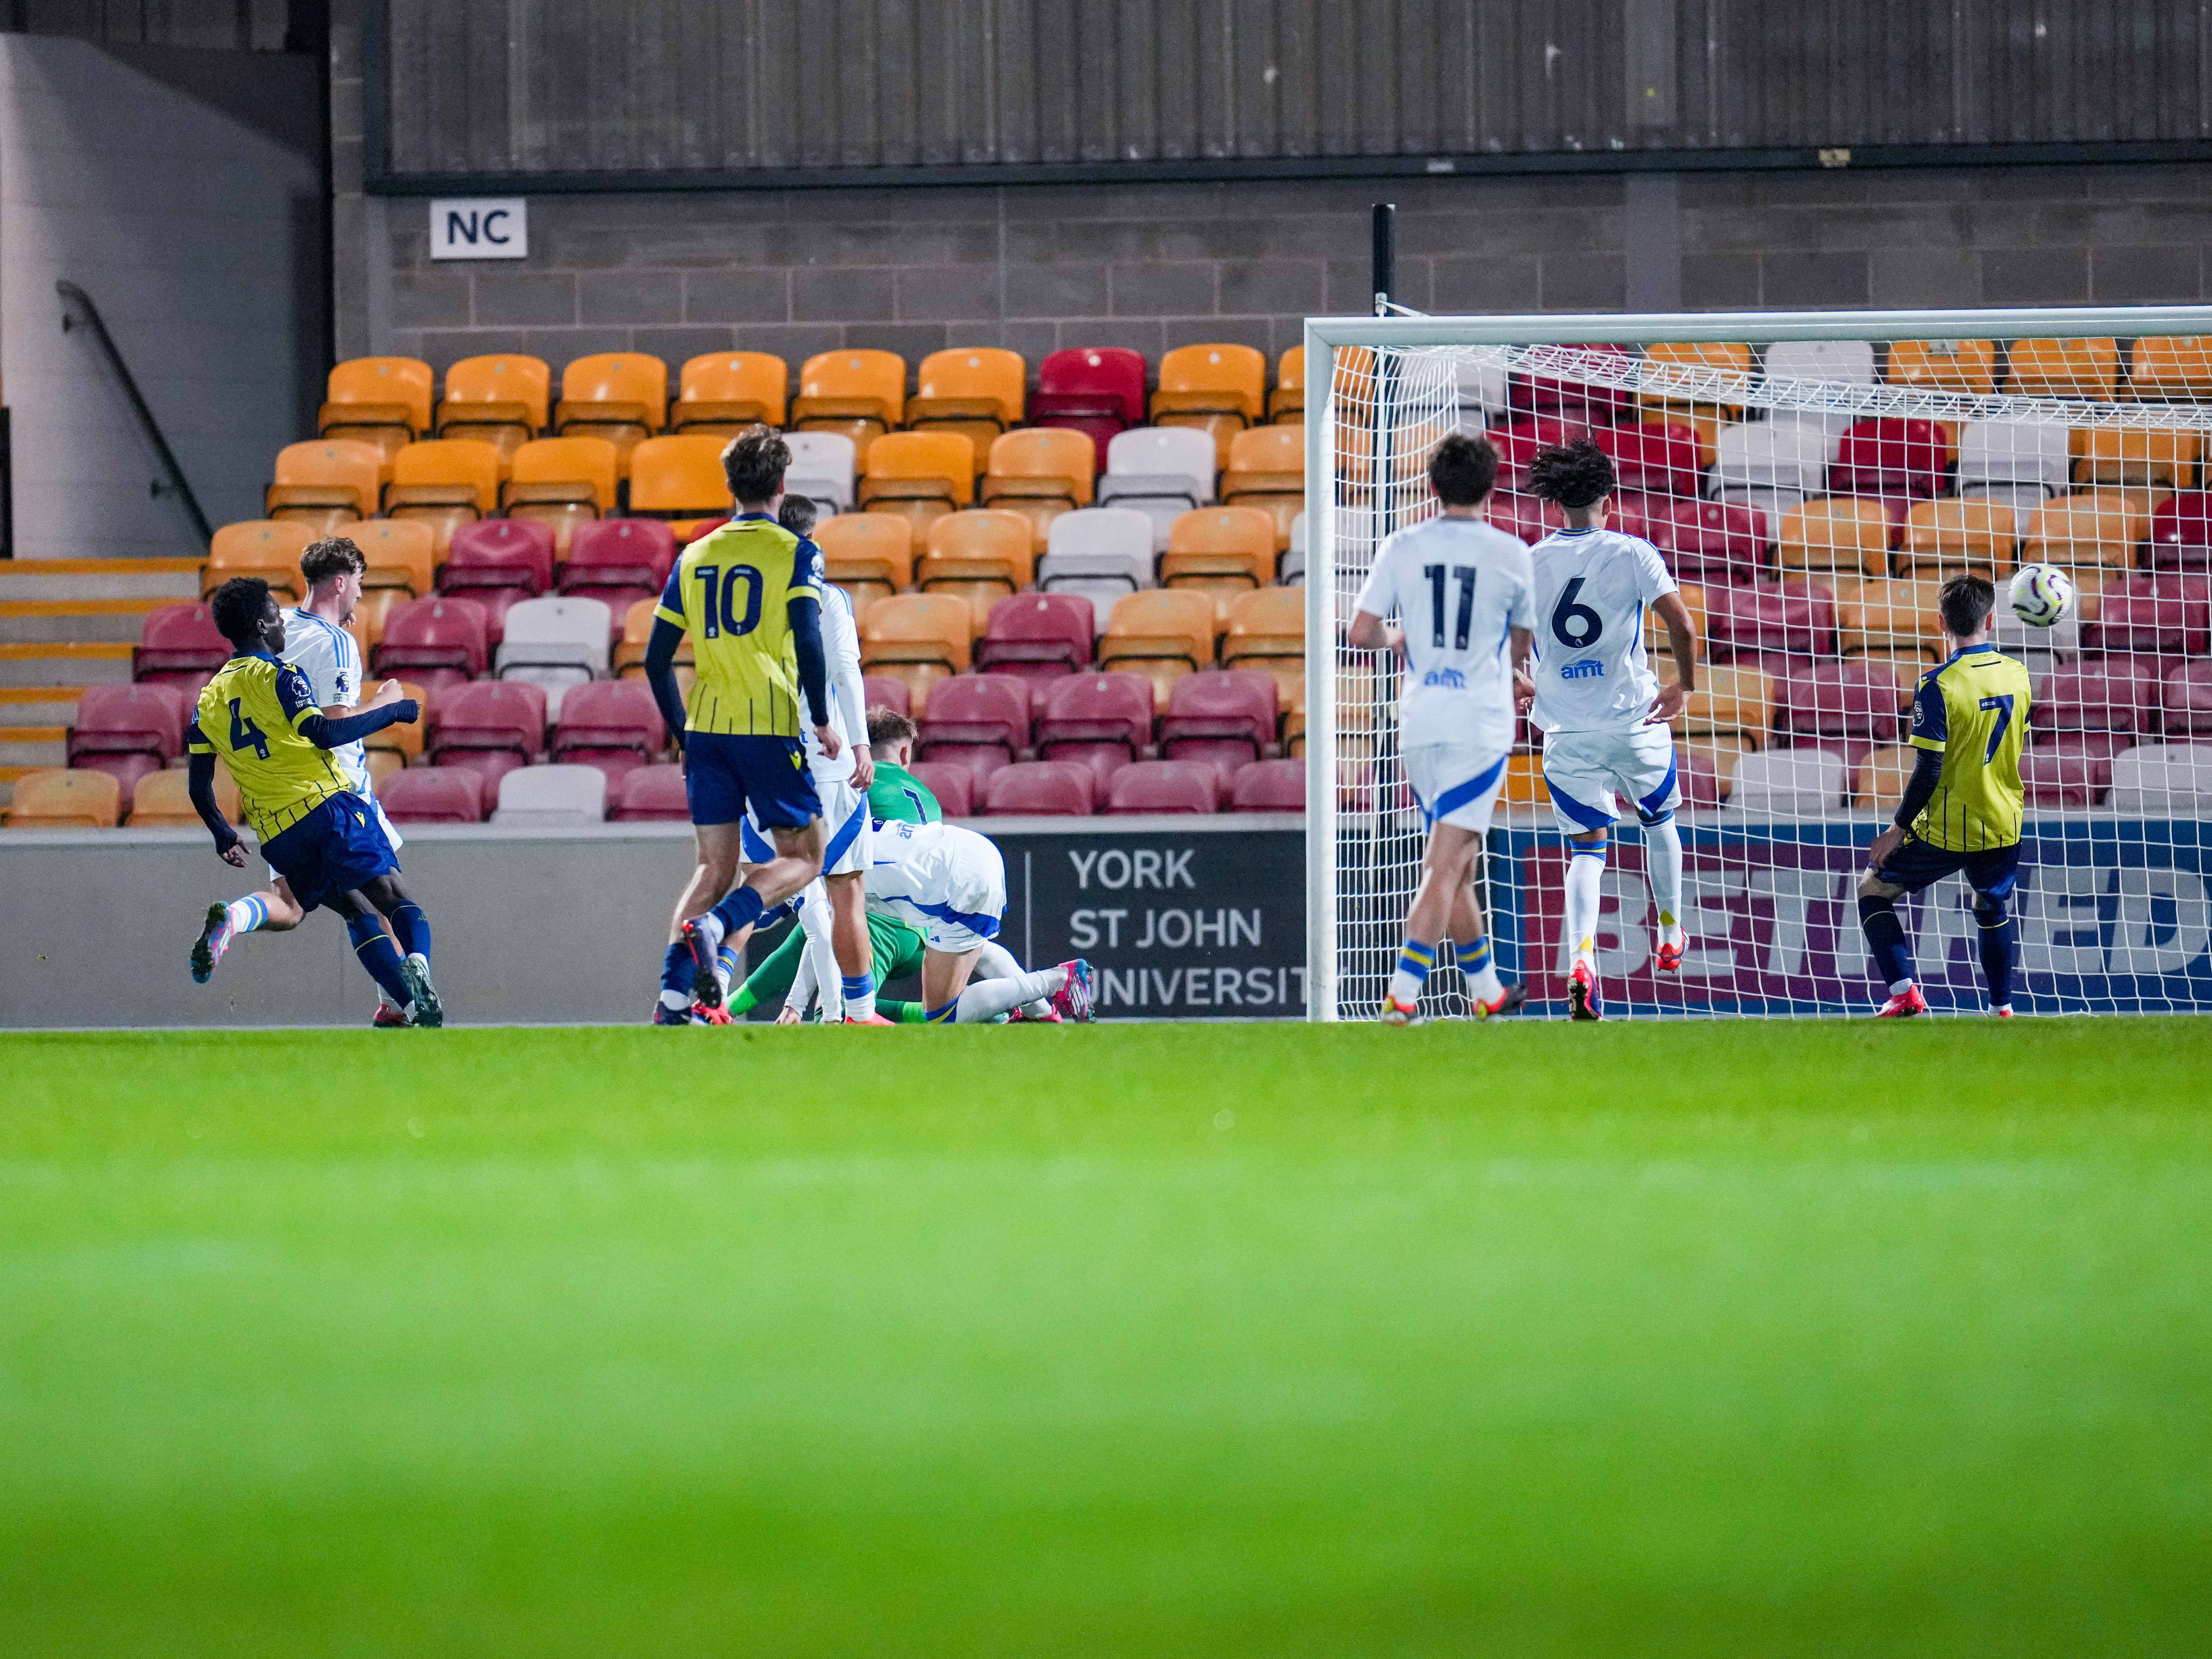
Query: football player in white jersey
317,643
1601,709
1462,591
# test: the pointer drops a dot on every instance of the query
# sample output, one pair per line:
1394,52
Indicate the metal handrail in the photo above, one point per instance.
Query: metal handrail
74,297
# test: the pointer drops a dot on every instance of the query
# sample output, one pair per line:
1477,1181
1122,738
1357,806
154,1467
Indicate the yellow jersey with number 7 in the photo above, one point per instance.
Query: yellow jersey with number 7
729,591
1974,710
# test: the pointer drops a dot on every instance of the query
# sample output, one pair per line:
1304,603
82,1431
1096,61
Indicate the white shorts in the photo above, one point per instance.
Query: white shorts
946,883
1592,773
1456,783
390,833
844,816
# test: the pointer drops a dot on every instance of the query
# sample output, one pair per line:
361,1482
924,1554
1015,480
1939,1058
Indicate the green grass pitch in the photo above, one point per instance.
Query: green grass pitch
1737,1338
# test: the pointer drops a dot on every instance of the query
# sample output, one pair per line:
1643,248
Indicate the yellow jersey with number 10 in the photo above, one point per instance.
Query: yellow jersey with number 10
1973,709
729,590
248,715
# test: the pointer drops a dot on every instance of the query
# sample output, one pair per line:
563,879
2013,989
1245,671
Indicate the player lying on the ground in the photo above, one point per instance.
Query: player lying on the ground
260,715
1459,590
317,644
747,594
1602,710
949,884
1962,807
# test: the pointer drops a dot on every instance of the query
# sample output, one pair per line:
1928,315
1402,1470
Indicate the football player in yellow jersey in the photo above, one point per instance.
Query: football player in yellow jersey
1962,809
258,716
749,593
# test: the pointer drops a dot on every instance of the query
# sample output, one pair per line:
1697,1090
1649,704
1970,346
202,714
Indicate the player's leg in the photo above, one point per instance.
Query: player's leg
994,960
822,974
770,981
410,928
271,910
373,947
797,861
898,951
944,975
1579,772
716,867
1656,786
1446,865
1885,942
1470,936
850,941
1992,876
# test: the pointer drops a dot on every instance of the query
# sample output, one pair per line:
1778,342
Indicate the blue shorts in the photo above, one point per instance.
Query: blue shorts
722,773
1915,865
332,850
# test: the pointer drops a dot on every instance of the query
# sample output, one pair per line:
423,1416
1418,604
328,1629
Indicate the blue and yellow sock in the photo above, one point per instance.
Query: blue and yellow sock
1415,959
1474,961
411,928
381,956
741,909
944,1016
676,971
1999,943
1884,937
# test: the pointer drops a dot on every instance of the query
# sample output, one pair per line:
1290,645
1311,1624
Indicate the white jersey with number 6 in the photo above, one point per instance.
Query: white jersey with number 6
1459,587
1593,587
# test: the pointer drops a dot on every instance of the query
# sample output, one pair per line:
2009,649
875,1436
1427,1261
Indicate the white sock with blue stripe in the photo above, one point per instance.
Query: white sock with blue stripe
859,996
1585,870
248,912
1663,861
1415,959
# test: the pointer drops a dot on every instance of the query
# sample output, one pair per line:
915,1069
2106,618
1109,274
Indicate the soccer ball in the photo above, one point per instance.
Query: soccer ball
2041,594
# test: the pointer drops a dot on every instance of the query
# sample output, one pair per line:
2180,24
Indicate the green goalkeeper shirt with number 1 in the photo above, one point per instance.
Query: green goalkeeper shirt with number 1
898,797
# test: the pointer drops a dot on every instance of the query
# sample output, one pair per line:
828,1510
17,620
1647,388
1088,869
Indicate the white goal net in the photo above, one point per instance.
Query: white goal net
1810,486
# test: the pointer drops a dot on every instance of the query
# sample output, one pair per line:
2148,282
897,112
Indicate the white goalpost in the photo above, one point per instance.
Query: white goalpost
1810,479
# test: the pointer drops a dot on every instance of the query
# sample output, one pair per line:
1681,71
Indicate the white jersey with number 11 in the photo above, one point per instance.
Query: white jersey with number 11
1458,587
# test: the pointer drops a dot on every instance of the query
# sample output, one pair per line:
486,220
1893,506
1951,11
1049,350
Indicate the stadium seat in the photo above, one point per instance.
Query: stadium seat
1891,618
556,644
1219,548
401,555
980,553
444,483
1270,786
1728,364
920,475
561,481
2186,700
1656,638
1810,783
1219,390
1518,442
860,395
2016,463
1286,403
489,717
125,769
1047,789
1956,535
146,721
1162,633
500,399
1227,716
2153,614
162,801
1772,465
953,786
680,479
1969,366
1164,785
619,561
551,797
1889,456
52,798
435,641
620,396
1292,568
325,483
2099,693
2116,455
1709,542
918,638
2171,369
2064,774
403,743
1038,633
433,794
499,553
1268,470
974,390
383,402
1853,702
881,693
720,393
652,794
1101,552
1039,474
1098,391
2079,533
1838,532
1848,362
870,551
1267,632
637,634
978,721
821,468
2063,368
614,724
1578,398
2171,778
2181,532
1099,722
178,643
267,548
1730,703
1792,618
1662,460
1878,780
1525,516
1161,471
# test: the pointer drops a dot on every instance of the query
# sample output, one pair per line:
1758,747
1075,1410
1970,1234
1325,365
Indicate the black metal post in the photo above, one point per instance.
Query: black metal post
1385,255
75,298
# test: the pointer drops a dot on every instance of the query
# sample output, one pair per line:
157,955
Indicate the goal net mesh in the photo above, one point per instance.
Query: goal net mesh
1810,498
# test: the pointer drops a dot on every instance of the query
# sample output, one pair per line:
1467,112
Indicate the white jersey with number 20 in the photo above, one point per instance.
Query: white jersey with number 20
1593,587
1459,587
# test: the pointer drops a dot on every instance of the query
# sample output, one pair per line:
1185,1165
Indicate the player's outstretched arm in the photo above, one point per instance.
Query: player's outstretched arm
1682,642
200,784
660,675
324,732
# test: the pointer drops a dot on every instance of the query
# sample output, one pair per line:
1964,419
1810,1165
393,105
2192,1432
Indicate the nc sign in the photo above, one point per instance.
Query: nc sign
479,227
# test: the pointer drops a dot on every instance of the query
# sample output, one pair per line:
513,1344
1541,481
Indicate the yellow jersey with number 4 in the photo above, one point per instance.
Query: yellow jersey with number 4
1974,710
248,716
730,591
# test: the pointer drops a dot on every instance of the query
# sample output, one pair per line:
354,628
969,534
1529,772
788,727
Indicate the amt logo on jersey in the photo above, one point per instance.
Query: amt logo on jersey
1450,679
1589,668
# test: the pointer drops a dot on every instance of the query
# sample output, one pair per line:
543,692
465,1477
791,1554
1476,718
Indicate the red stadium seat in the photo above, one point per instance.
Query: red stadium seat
971,714
2153,614
881,693
1539,394
2066,773
624,553
1660,460
1890,455
1525,516
2187,700
1041,789
2099,693
614,724
1038,633
651,794
1859,702
1164,785
433,794
1518,444
1793,618
179,644
1230,714
1270,786
1101,720
953,786
1700,779
2181,532
1098,391
488,717
443,636
146,721
515,553
1711,542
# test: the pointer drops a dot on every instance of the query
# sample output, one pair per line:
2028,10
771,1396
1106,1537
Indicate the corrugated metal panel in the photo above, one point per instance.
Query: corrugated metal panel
579,86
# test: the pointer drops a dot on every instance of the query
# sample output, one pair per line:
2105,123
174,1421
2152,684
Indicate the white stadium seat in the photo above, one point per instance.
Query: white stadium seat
1103,552
822,464
1161,470
2163,777
2013,464
555,643
1756,460
1790,783
1294,557
1848,362
551,798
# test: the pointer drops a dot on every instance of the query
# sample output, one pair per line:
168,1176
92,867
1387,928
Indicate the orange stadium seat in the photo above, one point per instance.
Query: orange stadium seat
920,475
562,482
1728,703
402,555
2138,504
1160,633
2081,532
1267,632
2113,455
444,482
870,553
403,743
681,478
1943,365
637,635
1219,389
976,390
1268,470
1287,402
267,548
1655,629
1955,536
1040,473
502,399
2063,368
620,396
53,799
325,482
1718,357
2171,369
861,394
917,639
981,553
1219,548
1892,618
722,392
1879,784
1836,533
163,800
383,401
